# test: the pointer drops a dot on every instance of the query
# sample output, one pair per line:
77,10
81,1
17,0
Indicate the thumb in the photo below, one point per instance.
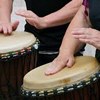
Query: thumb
70,62
15,25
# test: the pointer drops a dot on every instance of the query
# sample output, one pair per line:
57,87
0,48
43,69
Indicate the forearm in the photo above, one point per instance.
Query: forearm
62,16
70,44
5,10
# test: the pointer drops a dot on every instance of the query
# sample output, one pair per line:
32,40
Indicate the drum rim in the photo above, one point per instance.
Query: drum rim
21,52
66,88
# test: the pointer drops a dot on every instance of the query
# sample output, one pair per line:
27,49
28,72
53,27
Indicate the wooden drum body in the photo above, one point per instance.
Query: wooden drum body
17,57
80,82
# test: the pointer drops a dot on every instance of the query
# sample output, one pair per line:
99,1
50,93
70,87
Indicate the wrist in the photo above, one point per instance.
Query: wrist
43,23
65,52
4,17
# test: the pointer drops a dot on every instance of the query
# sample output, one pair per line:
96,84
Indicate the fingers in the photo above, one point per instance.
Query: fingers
58,65
15,25
79,31
7,28
53,68
80,36
27,14
49,70
83,34
0,29
84,40
31,18
30,21
86,35
24,13
70,62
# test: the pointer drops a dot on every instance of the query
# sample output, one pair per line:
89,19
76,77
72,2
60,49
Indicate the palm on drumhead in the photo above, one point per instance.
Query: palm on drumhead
8,27
59,63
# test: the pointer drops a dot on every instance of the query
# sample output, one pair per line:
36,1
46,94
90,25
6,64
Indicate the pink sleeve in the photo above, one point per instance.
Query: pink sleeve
85,3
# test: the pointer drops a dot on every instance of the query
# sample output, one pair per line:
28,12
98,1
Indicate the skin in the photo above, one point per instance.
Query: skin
6,26
62,16
87,35
69,46
78,33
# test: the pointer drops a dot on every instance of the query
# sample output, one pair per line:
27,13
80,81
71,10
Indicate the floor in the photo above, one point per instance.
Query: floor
20,4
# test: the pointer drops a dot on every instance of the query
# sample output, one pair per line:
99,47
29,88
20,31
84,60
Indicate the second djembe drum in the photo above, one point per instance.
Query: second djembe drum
18,53
80,82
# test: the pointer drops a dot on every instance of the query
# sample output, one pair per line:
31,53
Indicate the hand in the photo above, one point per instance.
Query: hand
88,35
31,18
63,60
7,27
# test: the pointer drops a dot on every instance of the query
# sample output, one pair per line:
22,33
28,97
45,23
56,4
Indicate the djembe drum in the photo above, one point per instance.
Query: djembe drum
17,57
80,82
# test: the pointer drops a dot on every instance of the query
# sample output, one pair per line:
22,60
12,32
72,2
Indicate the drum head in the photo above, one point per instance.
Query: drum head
83,69
16,41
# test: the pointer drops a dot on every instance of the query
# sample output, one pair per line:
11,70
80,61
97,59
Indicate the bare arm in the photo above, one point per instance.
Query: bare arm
69,45
64,15
5,10
60,17
6,26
